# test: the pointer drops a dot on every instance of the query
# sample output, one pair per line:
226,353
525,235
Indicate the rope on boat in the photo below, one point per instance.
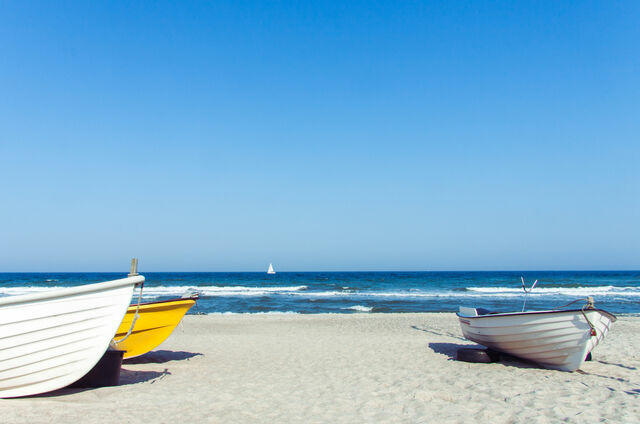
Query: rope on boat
588,305
135,318
570,303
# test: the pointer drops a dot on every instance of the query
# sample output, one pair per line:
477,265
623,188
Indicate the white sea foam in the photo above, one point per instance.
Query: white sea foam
221,291
398,294
562,291
157,291
16,291
360,308
479,292
256,313
241,291
150,292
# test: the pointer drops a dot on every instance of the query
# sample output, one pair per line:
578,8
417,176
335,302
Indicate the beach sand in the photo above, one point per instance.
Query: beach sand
342,369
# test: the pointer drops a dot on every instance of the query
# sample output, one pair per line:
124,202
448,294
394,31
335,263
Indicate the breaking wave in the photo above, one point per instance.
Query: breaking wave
559,291
304,292
256,313
158,291
16,291
220,291
360,308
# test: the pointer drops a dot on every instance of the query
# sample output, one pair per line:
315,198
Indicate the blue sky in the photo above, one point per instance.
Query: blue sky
210,136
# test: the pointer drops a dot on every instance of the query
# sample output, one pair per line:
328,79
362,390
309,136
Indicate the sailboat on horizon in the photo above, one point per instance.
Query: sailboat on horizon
270,270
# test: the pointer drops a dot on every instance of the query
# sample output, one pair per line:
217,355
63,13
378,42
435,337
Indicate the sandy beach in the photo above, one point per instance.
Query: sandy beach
345,368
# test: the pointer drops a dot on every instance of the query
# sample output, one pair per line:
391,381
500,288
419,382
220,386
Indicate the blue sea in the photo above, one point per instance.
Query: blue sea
362,292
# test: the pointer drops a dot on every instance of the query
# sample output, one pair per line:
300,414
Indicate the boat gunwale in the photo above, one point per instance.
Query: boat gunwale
527,313
193,298
71,291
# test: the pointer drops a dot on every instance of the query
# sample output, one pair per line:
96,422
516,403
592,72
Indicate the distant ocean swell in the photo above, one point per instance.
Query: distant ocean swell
152,292
306,293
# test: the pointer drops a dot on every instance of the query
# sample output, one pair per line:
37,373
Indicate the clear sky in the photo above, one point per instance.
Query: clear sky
221,136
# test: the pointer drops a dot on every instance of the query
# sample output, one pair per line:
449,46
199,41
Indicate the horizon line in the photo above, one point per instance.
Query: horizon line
316,271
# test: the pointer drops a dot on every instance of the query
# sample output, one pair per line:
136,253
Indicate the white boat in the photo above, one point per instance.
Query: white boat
52,339
270,270
555,339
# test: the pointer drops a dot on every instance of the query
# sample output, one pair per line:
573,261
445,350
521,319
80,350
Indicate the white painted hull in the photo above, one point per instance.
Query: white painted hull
52,339
554,339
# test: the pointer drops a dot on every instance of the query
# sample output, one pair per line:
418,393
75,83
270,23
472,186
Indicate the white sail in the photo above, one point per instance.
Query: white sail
270,270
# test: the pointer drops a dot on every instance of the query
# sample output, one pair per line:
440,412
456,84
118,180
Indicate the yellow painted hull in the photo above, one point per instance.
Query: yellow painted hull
155,323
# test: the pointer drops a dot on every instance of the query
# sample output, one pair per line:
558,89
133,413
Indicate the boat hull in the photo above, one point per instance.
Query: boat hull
155,323
553,339
52,339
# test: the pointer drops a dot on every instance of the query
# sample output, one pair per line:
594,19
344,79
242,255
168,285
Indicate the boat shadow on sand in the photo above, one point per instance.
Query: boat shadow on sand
127,377
450,349
132,376
161,357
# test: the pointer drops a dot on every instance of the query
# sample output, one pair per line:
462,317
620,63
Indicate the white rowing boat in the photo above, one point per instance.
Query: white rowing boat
555,339
52,339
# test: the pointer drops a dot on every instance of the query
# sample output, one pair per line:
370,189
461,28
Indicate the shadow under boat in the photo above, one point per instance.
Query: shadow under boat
109,371
161,357
451,349
127,377
52,339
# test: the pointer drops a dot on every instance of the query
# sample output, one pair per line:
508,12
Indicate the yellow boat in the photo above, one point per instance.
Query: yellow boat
156,321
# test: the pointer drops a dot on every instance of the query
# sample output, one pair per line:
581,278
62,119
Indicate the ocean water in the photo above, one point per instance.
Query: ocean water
363,292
